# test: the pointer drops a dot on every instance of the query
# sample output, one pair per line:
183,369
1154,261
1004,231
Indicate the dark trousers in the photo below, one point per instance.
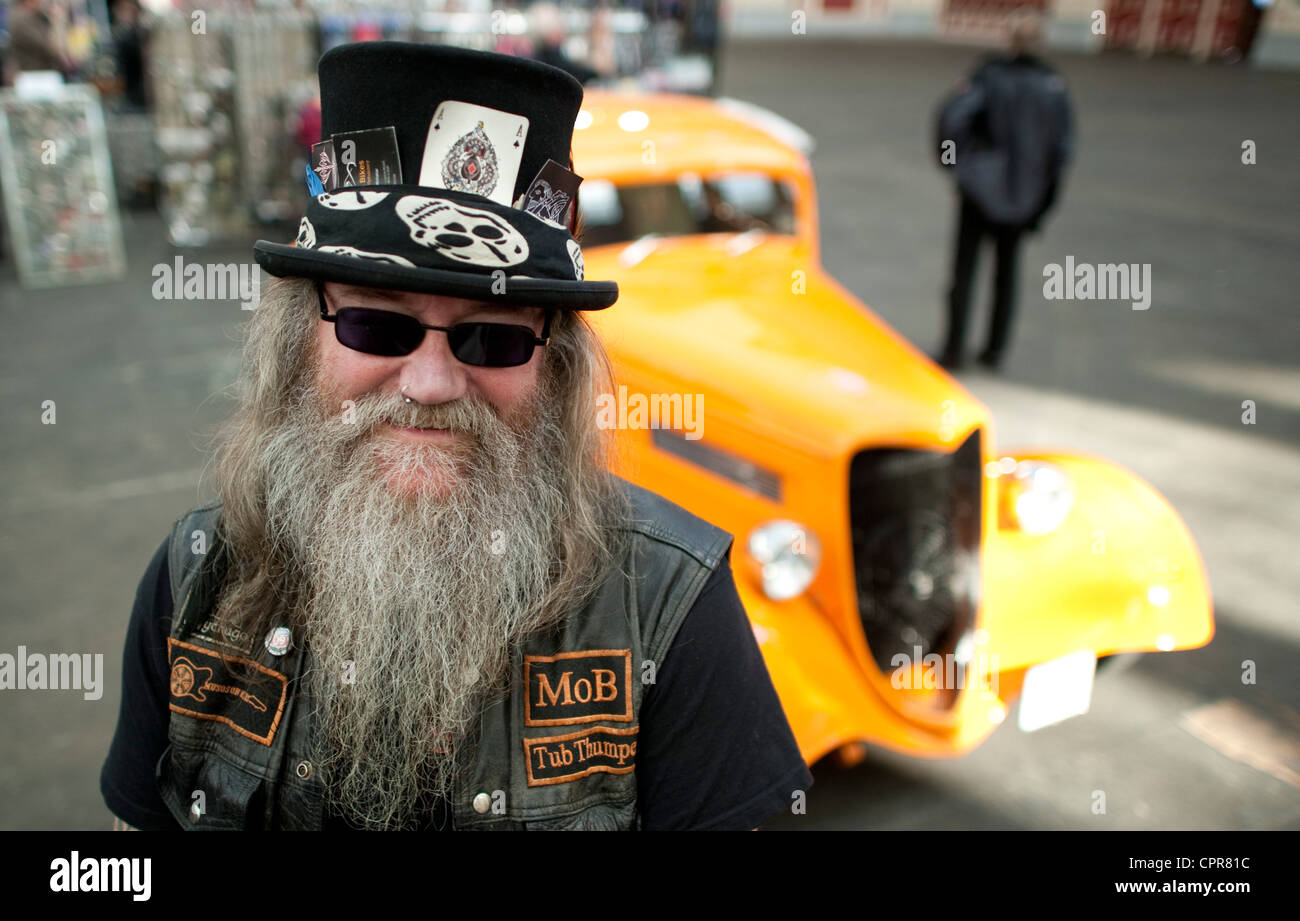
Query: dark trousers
971,229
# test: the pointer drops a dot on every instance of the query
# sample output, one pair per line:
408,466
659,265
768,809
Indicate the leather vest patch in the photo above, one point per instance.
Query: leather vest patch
578,687
203,686
218,632
560,759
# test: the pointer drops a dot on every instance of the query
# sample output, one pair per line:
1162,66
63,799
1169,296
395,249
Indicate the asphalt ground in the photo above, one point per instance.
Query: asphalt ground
1176,740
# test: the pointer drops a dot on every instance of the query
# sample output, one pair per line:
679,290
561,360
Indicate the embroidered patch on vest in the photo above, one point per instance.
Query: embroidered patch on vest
203,686
559,759
578,687
221,633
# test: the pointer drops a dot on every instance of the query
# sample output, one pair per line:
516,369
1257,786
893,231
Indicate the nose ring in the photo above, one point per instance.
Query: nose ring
405,398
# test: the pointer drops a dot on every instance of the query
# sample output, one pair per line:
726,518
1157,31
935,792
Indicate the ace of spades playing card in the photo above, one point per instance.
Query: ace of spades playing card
472,148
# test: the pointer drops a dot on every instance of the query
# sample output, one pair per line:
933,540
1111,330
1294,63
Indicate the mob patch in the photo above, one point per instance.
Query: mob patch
203,686
578,687
559,759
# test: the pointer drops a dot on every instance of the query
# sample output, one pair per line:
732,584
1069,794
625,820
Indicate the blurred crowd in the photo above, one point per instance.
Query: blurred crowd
85,42
106,42
210,107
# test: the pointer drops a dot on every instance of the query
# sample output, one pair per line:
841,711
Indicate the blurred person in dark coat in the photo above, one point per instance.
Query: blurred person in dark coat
36,37
128,46
1007,134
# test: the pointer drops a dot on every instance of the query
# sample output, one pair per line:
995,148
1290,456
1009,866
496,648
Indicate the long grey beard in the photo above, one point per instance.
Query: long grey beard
415,601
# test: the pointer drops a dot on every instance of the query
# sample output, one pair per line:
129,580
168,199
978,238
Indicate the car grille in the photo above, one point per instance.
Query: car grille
915,519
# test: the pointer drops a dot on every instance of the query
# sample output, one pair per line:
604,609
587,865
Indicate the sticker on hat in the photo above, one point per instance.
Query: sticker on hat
462,233
324,165
368,157
314,186
550,193
473,148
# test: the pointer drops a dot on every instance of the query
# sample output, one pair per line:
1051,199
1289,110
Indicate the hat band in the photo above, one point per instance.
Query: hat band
425,227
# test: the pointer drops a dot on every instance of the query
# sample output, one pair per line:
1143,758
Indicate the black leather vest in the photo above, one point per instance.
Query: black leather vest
559,751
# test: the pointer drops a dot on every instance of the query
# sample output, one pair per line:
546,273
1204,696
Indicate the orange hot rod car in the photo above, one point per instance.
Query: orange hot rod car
907,578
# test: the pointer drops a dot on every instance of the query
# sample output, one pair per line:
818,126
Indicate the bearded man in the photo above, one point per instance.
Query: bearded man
421,599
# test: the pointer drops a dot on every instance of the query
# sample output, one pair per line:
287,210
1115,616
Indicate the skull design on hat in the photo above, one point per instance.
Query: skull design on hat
390,258
350,200
306,234
461,232
575,253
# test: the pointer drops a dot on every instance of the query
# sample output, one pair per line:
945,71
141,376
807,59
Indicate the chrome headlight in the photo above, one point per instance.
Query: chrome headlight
1039,495
786,555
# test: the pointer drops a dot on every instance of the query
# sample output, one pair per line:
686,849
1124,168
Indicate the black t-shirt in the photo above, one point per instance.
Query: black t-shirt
714,750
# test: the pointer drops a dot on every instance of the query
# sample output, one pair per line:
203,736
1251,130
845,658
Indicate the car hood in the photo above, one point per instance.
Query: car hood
775,343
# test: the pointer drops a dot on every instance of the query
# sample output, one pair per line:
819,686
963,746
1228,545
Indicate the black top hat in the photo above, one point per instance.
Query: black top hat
451,227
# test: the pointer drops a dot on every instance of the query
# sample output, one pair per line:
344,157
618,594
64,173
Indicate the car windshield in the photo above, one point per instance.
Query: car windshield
726,203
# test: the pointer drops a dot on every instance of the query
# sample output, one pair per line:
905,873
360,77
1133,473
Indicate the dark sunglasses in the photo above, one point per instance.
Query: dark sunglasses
384,332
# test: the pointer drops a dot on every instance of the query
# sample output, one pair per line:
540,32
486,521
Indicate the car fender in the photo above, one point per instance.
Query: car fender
1121,573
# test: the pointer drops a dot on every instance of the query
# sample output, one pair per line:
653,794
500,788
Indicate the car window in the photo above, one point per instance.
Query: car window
724,203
